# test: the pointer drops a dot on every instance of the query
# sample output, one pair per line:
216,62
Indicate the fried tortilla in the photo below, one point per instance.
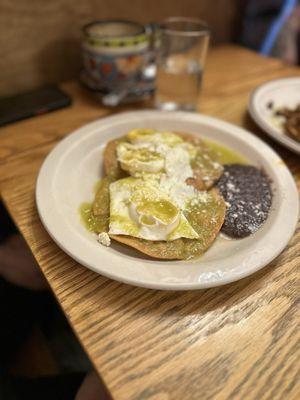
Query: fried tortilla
112,166
206,218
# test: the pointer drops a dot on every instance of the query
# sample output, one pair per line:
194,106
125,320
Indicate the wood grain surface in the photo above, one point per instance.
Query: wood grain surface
240,341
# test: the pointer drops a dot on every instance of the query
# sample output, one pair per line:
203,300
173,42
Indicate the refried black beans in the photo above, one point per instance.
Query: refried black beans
247,192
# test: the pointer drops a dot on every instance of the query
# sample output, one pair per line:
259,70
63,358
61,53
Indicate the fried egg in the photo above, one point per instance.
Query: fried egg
136,159
138,136
141,208
152,152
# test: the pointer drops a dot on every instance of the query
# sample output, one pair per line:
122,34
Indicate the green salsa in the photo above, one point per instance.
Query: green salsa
97,186
94,223
162,209
223,154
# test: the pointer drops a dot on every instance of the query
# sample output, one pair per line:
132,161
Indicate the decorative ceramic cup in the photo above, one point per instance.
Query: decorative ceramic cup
115,53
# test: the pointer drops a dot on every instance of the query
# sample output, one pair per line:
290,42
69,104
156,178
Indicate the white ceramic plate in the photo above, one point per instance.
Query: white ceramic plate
282,93
70,171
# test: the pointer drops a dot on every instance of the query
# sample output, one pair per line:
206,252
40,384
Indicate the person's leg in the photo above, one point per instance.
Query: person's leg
92,388
18,266
7,226
22,308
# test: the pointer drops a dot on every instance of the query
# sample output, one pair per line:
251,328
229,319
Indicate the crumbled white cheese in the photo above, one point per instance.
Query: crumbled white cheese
202,197
104,239
230,186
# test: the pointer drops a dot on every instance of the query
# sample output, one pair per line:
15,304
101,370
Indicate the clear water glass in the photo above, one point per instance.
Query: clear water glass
183,44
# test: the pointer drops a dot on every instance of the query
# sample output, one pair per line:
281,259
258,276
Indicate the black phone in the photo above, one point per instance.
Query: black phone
32,103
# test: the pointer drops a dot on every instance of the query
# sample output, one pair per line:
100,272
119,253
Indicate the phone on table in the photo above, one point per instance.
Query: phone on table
30,104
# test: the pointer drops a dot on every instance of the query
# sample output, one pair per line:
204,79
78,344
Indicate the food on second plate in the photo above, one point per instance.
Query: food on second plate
160,195
247,192
291,121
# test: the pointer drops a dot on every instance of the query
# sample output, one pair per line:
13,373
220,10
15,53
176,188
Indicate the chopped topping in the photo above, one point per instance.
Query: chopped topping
104,239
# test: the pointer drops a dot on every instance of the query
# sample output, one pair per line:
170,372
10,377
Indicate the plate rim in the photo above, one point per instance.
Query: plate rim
167,285
287,142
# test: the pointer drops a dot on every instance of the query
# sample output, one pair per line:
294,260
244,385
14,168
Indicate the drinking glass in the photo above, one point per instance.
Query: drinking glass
183,44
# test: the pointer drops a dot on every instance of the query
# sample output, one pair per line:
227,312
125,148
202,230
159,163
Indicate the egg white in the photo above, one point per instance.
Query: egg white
125,218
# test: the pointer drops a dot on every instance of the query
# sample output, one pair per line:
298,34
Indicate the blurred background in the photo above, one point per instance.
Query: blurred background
40,40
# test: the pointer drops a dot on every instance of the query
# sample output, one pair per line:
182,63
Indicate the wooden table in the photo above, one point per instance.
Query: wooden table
233,342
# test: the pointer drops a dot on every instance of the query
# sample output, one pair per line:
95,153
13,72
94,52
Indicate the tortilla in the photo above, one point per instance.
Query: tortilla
206,218
111,164
101,200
